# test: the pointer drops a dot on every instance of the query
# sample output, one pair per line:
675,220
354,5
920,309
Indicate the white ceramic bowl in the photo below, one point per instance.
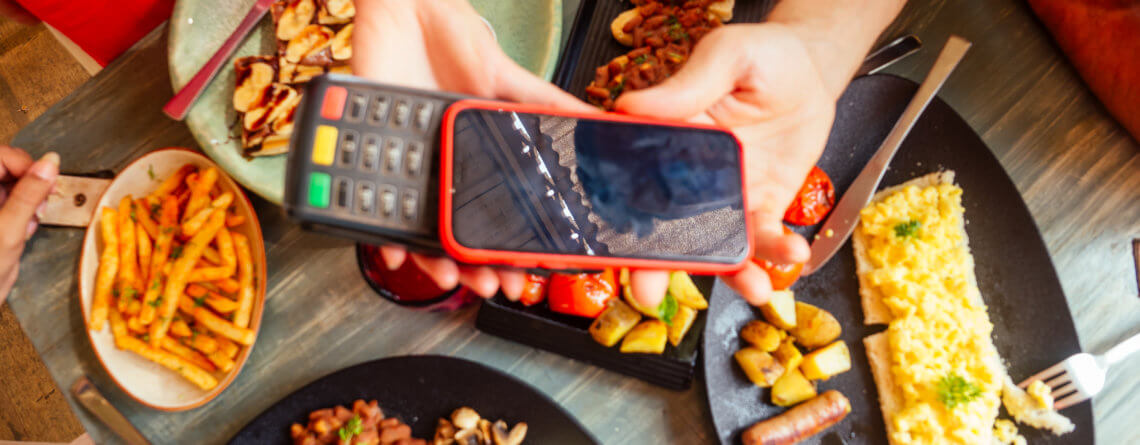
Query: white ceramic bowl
145,381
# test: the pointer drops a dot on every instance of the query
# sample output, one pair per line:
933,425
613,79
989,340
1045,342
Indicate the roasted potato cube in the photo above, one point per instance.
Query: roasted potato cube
682,321
685,291
616,321
760,367
788,354
722,9
792,388
815,327
648,337
781,310
827,361
762,335
617,27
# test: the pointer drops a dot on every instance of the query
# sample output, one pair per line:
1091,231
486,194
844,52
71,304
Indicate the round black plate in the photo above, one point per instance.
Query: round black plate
1032,325
419,390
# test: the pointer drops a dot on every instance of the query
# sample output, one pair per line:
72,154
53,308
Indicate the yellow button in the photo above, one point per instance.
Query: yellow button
324,146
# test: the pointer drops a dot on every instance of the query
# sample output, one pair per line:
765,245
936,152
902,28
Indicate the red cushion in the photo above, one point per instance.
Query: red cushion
103,28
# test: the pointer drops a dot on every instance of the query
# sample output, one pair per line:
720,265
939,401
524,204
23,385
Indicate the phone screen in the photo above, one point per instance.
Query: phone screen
577,186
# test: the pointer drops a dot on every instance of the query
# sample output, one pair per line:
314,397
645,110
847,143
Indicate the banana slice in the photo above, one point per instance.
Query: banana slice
310,40
342,44
337,12
253,88
294,18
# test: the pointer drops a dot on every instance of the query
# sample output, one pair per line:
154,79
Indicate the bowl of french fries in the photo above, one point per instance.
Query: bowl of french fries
172,279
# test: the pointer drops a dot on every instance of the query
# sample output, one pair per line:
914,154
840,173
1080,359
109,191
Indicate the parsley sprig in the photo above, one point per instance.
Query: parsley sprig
907,229
954,390
351,428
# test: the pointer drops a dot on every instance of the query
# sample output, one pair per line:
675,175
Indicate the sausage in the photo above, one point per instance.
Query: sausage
799,423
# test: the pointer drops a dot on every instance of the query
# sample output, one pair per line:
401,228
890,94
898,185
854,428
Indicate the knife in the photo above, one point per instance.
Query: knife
89,396
846,214
180,104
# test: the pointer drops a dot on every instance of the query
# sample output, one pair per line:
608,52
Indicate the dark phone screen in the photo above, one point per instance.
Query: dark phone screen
554,184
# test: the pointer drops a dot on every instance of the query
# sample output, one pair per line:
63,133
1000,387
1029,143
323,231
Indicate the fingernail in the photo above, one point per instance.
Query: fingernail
47,168
31,230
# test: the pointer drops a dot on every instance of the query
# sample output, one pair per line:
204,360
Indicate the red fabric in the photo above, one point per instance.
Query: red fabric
103,28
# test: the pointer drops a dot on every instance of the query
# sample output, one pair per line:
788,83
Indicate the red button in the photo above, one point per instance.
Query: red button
333,106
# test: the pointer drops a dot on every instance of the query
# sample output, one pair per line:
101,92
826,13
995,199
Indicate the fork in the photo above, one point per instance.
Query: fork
1080,377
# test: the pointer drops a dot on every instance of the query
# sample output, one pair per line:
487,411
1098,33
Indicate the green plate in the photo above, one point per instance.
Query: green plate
528,30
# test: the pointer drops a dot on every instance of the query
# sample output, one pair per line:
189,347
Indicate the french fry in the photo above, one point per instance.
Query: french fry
210,274
134,306
234,220
228,285
144,252
171,183
196,291
118,327
134,326
245,279
200,192
168,220
220,304
215,323
183,367
176,281
212,255
108,268
128,254
202,341
221,360
227,347
174,347
179,328
191,225
142,214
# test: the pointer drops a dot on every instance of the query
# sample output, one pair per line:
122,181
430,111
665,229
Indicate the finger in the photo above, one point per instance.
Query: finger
443,271
512,282
649,286
481,280
709,75
751,283
31,191
13,163
515,83
393,256
772,243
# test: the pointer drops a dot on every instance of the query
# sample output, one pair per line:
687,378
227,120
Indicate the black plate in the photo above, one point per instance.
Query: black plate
1032,325
542,328
419,390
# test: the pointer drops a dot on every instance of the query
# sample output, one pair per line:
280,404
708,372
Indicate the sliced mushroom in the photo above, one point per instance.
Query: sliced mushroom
444,431
485,431
469,437
465,418
294,18
312,39
501,436
342,44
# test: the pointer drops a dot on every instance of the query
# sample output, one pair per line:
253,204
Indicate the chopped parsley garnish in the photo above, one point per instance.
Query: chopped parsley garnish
167,230
153,284
144,337
351,428
667,309
155,303
176,252
676,32
134,217
154,209
640,59
150,172
954,390
199,302
907,229
616,90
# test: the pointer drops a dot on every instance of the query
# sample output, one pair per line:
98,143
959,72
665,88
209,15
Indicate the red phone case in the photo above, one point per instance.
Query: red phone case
554,260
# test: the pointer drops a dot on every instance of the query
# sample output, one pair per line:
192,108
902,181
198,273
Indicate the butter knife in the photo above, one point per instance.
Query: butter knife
89,396
846,214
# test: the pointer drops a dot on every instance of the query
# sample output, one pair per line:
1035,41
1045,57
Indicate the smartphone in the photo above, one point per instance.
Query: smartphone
528,186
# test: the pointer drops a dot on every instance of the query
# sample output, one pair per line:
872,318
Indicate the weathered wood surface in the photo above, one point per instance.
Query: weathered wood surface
1076,168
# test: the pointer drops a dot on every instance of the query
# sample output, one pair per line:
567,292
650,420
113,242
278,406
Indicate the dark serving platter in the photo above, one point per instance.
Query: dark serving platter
419,390
1032,324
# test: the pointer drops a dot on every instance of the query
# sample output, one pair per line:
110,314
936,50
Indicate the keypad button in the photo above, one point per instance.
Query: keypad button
357,104
365,198
423,116
319,184
393,152
379,110
415,158
324,145
409,205
370,155
348,148
332,107
343,190
401,113
387,201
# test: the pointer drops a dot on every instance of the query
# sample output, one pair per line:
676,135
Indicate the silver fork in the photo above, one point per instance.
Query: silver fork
1080,377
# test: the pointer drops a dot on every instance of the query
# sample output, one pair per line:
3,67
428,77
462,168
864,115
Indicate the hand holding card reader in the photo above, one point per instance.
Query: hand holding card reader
523,186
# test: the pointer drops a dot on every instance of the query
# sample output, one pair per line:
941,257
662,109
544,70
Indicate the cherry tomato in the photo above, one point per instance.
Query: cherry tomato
815,198
534,291
581,294
782,276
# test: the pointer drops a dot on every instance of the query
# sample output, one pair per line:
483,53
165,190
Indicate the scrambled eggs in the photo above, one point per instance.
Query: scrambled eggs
940,331
1005,433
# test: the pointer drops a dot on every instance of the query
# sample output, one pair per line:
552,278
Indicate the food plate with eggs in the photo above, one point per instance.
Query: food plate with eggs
1031,324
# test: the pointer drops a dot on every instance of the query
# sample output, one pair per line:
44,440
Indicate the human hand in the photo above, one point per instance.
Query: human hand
443,45
24,187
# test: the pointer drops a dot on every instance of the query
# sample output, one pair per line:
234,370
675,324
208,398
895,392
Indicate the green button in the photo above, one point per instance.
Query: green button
320,188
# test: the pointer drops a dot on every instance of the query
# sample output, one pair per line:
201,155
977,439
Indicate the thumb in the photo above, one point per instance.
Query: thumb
31,191
649,286
515,83
709,74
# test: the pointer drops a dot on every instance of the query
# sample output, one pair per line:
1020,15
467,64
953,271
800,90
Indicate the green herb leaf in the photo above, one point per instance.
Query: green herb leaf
176,252
667,309
156,302
907,229
150,172
616,90
640,59
351,428
144,337
134,217
199,302
954,390
154,209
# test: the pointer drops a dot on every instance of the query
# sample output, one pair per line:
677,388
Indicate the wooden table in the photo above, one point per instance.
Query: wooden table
1075,167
